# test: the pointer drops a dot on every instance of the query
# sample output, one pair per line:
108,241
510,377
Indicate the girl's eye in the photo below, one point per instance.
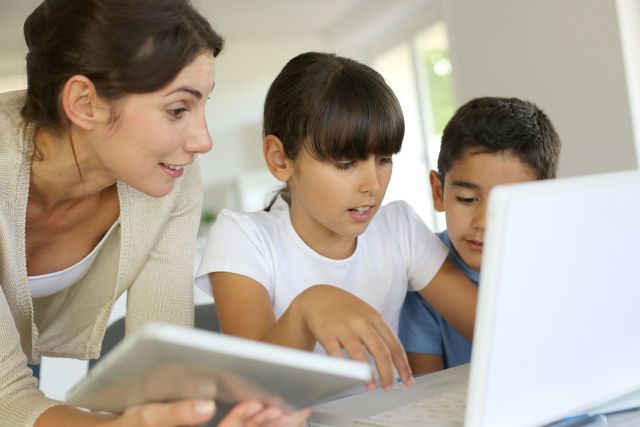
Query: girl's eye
176,113
345,165
385,160
466,200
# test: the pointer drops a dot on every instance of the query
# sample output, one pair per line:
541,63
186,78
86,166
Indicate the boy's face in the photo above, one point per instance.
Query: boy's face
464,197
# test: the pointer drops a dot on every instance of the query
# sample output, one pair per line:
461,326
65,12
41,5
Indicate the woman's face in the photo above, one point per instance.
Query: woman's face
157,134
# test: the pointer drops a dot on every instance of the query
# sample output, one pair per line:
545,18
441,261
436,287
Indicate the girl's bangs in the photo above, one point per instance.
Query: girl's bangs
352,122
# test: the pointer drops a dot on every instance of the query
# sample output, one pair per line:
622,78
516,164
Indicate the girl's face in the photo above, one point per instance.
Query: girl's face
333,202
157,134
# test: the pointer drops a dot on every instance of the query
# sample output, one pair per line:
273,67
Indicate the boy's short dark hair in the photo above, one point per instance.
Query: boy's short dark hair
492,125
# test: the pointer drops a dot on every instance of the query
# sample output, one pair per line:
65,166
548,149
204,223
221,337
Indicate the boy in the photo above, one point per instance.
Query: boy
489,141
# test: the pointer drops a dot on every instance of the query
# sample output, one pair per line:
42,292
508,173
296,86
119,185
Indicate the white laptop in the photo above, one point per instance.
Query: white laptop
558,321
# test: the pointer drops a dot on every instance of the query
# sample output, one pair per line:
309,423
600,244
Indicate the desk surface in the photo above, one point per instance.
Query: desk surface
622,419
344,412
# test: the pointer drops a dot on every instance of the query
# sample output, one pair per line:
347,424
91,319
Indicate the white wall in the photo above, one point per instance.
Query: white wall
250,63
629,19
564,55
244,72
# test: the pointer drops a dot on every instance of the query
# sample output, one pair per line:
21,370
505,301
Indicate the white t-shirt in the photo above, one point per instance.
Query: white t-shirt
396,251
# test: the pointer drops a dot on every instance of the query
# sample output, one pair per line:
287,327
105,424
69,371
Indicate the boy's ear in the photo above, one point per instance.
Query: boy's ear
81,103
437,191
280,165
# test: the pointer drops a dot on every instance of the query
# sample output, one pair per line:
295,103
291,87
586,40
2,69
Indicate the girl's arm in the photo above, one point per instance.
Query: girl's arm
454,296
336,319
244,309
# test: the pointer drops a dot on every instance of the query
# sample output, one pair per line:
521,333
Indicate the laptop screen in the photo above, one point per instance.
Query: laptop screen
558,323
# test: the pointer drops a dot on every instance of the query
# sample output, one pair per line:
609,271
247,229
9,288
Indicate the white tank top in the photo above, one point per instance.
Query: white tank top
50,283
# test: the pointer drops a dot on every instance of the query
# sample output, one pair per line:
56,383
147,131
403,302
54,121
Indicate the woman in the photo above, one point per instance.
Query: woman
101,194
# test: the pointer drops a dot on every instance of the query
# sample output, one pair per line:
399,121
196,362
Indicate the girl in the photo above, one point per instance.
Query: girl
100,194
325,263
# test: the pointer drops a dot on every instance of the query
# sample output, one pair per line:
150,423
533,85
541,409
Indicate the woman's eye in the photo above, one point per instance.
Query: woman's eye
176,113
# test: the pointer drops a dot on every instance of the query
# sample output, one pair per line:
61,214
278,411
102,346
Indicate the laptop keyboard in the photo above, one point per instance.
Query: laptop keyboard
444,409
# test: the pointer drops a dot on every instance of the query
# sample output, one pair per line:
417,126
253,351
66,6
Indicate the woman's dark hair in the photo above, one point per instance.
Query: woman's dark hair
334,107
494,125
123,46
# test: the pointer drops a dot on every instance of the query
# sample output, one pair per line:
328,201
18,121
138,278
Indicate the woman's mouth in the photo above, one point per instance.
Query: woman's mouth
174,171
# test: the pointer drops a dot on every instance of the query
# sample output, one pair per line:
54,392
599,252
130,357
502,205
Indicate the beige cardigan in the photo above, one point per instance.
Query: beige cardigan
151,257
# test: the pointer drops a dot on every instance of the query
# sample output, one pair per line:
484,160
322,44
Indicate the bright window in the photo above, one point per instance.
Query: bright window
419,71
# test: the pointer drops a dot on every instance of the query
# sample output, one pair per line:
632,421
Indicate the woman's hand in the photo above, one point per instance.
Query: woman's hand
255,414
342,322
192,412
181,413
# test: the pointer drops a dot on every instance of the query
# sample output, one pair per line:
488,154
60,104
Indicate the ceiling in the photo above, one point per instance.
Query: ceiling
342,20
276,17
232,18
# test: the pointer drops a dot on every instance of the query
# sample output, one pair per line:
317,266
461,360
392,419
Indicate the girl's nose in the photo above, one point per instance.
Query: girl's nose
370,179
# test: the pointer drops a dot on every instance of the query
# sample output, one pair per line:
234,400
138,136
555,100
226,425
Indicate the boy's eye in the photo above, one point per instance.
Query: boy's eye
344,165
176,113
466,200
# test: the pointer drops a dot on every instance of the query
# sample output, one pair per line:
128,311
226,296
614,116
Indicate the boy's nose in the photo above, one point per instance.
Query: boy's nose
478,220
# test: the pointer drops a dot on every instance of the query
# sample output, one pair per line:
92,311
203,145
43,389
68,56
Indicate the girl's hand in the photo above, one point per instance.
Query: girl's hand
342,322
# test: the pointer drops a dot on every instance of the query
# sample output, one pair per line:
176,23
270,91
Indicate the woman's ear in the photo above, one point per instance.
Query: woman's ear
437,191
279,164
81,103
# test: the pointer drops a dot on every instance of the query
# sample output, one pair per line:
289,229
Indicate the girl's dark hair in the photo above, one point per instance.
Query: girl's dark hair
123,46
334,107
494,125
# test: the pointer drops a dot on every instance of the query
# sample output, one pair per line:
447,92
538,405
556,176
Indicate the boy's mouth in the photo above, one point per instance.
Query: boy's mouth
475,245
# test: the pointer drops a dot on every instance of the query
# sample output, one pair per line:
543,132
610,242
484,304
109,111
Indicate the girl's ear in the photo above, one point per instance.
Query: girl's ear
437,191
279,164
81,103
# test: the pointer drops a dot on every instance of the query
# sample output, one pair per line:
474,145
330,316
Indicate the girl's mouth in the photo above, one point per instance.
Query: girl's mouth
361,213
361,209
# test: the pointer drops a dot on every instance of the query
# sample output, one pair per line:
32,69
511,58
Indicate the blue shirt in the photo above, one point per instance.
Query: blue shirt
423,330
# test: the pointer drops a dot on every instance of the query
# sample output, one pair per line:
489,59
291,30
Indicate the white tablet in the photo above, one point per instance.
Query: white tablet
162,363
